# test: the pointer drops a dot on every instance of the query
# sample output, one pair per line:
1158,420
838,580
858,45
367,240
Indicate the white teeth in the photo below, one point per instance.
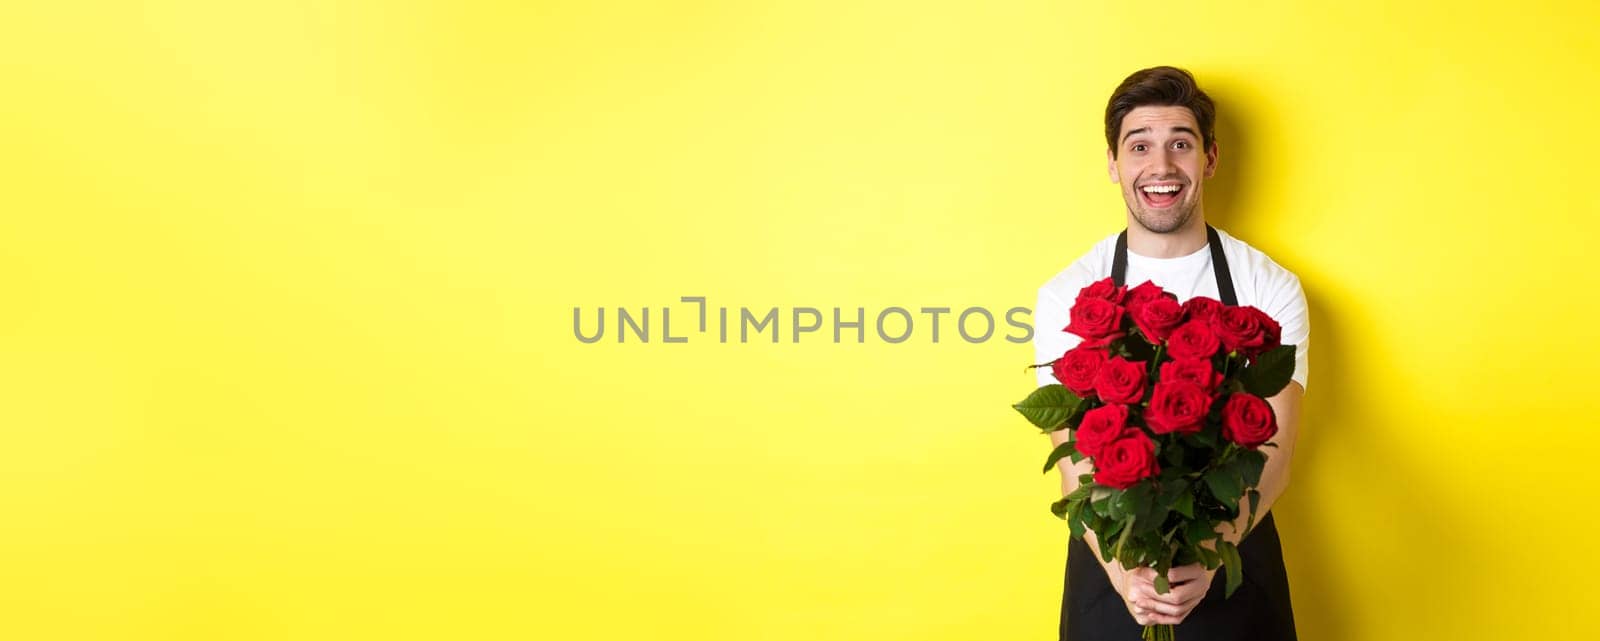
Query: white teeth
1160,189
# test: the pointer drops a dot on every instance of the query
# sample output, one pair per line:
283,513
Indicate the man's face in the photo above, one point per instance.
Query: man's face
1160,165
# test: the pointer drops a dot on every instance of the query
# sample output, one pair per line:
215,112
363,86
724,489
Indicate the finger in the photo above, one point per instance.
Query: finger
1141,592
1187,593
1186,573
1187,608
1135,611
1172,597
1146,617
1175,593
1148,605
1142,576
1135,595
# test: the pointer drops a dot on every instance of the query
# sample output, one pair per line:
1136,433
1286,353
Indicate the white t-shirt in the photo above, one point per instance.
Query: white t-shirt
1257,281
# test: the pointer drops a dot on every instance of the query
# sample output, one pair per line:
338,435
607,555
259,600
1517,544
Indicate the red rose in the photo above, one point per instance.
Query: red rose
1193,339
1248,420
1246,330
1127,460
1201,308
1272,333
1099,427
1157,318
1094,318
1120,381
1144,293
1192,370
1177,406
1103,289
1077,368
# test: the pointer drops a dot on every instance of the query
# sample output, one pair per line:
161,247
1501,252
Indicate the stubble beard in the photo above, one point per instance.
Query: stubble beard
1172,219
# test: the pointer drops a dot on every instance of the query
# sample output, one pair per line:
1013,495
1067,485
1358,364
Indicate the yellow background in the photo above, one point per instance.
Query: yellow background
287,348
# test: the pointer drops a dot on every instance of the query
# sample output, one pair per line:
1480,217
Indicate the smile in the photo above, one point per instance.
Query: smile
1160,196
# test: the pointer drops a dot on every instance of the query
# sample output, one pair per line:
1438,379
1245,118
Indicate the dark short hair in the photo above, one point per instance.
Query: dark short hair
1160,87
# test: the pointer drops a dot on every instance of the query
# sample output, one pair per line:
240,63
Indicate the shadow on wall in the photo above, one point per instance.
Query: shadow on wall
1225,194
1344,453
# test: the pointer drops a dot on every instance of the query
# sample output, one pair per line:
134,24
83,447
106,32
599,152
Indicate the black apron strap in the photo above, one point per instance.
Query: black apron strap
1219,265
1219,268
1119,261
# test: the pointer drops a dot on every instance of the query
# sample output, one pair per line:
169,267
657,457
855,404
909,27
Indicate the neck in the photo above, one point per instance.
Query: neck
1180,242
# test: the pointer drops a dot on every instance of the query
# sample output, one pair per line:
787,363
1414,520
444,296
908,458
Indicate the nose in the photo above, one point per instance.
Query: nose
1162,164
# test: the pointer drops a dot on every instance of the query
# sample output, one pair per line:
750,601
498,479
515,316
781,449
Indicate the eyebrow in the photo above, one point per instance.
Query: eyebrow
1143,130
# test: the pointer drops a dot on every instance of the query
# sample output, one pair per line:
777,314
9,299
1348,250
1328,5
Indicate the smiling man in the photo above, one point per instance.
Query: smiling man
1161,148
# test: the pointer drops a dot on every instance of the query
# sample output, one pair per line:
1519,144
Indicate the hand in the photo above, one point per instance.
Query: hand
1189,584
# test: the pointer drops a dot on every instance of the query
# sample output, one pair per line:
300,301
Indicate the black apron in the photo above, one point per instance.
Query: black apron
1091,610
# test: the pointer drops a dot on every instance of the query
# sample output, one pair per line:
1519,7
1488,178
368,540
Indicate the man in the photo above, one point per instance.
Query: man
1161,147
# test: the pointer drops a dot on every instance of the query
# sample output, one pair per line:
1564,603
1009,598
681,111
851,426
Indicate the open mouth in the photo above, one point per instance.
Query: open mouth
1160,196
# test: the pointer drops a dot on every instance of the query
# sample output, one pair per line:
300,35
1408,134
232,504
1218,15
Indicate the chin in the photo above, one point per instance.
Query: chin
1164,224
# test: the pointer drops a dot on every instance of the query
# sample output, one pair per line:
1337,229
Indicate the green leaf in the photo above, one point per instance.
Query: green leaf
1270,372
1091,520
1173,455
1224,484
1115,505
1250,464
1171,490
1057,454
1049,407
1107,538
1059,508
1162,565
1198,531
1185,504
1082,492
1255,504
1101,507
1075,518
1134,500
1151,512
1100,498
1235,567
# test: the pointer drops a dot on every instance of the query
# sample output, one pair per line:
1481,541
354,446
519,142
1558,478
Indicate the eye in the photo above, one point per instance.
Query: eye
1138,147
1181,144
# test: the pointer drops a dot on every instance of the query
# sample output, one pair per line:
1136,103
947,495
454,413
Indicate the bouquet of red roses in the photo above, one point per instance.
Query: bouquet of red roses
1166,400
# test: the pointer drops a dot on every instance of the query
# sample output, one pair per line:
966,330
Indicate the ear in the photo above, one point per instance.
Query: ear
1111,166
1211,160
